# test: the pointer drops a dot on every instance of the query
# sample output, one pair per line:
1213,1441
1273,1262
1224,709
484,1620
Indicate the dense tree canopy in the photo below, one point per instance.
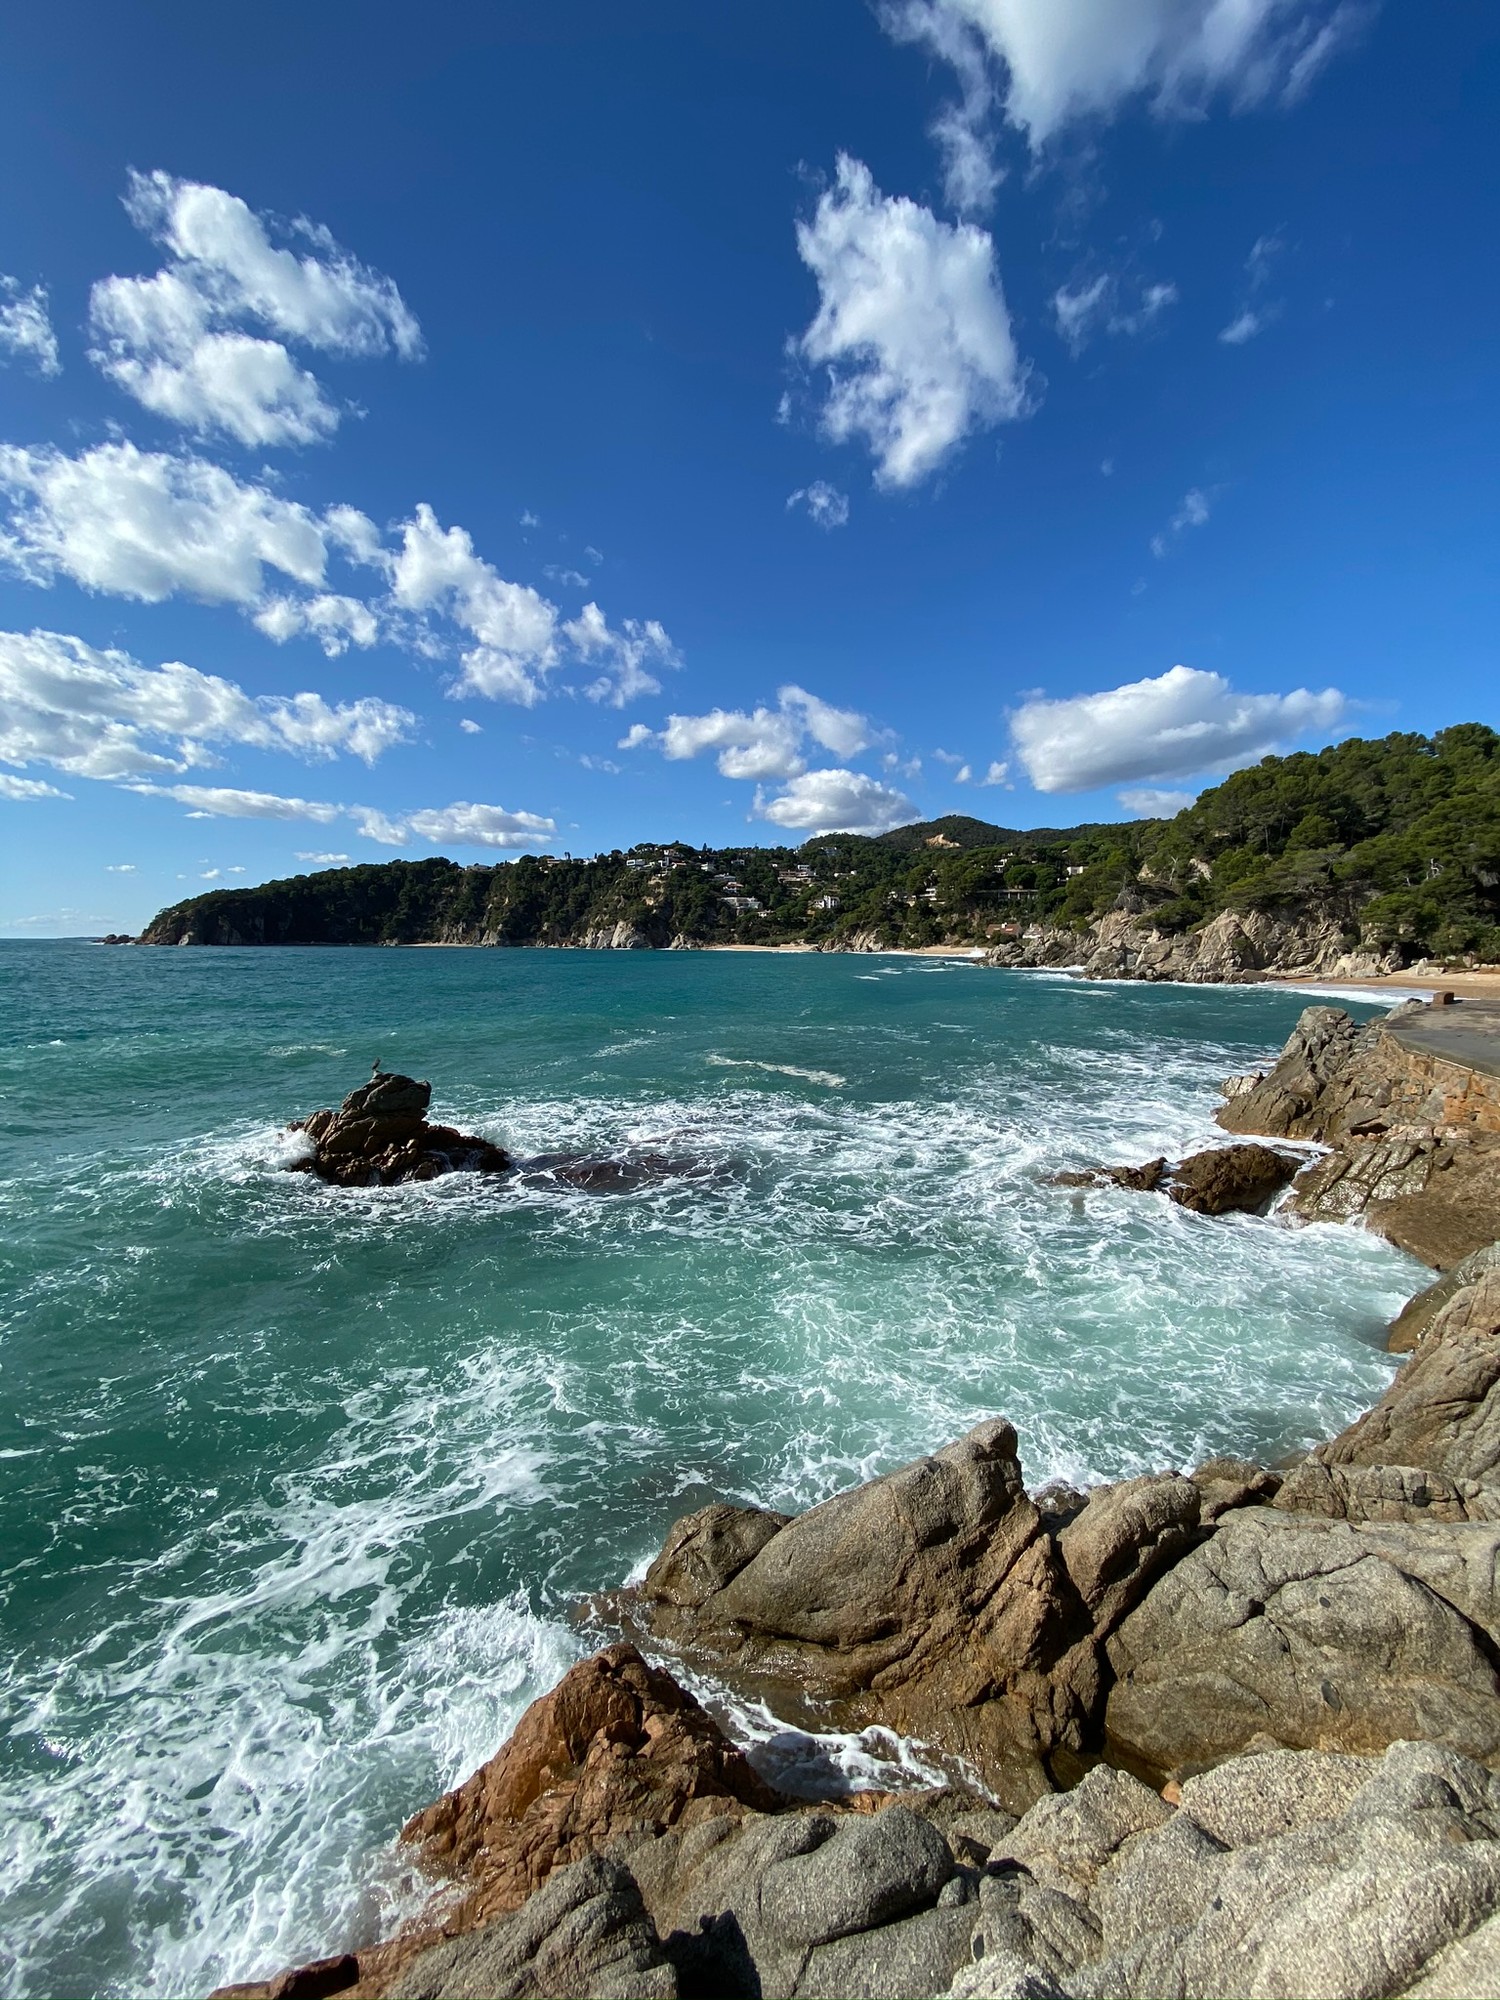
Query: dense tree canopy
1399,840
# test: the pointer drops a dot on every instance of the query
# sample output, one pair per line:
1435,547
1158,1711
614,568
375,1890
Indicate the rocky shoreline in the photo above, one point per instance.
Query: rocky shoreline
1225,1732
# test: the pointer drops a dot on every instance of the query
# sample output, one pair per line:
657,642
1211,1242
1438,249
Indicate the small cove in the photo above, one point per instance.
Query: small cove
299,1484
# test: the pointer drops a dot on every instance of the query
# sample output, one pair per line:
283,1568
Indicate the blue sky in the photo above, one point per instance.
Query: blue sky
542,429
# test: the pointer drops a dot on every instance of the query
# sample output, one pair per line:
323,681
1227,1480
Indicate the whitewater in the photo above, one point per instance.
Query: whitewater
299,1487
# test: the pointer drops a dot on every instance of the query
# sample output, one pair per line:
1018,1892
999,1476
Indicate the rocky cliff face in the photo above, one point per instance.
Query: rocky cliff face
1232,947
1414,1133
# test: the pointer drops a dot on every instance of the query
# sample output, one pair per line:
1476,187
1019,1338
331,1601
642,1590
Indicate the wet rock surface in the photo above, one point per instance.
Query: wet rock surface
379,1137
1222,1180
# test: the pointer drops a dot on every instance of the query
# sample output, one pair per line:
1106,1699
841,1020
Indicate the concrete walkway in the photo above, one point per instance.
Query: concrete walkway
1467,1032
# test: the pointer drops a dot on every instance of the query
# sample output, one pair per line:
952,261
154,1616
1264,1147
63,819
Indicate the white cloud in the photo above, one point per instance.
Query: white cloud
911,325
823,504
1148,803
623,654
227,802
1096,307
765,743
147,525
1181,723
836,802
176,341
210,875
151,525
466,825
1253,319
1244,326
1062,60
25,330
119,867
998,774
1193,513
29,788
101,715
470,727
437,569
320,858
961,130
335,622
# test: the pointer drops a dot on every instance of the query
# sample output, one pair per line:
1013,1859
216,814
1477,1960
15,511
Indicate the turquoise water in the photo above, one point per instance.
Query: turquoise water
297,1485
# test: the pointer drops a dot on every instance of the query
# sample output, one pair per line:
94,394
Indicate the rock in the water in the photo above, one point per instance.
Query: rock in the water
1313,1632
380,1136
1229,1179
1221,1181
1442,1412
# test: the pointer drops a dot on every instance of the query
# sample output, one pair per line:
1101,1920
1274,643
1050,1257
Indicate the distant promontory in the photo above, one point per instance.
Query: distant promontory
1362,857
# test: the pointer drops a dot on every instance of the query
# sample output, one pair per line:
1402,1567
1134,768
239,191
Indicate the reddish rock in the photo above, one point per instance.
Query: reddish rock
616,1748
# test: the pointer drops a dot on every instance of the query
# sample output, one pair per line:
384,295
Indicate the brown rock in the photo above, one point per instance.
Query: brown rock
1226,1179
379,1136
1442,1412
1310,1633
1416,1316
931,1601
704,1551
1435,1195
616,1748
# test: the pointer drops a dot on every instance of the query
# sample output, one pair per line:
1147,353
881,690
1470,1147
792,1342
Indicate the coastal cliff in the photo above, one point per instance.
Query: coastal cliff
1228,1731
1347,863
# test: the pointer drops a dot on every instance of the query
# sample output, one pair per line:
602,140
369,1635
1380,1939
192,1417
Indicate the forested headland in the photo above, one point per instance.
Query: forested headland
1396,840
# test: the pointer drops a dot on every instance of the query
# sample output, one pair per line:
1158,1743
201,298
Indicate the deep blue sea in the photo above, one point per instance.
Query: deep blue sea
297,1485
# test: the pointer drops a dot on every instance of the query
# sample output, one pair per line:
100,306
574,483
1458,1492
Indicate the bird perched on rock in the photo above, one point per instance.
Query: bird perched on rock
374,1069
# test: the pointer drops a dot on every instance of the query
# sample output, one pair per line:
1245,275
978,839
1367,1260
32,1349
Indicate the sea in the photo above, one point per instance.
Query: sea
300,1487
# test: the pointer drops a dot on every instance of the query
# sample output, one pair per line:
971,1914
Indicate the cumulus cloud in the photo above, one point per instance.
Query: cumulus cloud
25,329
101,715
1147,803
335,622
763,743
148,525
515,626
320,857
152,525
1193,513
836,802
1181,723
622,654
30,788
823,504
177,341
1057,61
470,727
911,327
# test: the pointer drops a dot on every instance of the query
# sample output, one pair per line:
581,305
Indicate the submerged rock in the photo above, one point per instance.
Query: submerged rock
380,1136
